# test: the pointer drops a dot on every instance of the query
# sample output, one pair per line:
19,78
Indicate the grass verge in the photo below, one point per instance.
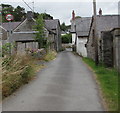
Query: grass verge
50,56
108,81
19,70
16,71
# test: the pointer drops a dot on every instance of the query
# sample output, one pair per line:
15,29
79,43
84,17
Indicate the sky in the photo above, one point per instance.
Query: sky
62,9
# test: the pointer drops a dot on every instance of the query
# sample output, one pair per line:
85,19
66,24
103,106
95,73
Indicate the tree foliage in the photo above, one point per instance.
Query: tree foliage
67,38
18,12
39,27
78,17
46,16
65,27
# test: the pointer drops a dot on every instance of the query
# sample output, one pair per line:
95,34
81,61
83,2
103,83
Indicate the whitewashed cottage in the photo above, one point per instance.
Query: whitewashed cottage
80,30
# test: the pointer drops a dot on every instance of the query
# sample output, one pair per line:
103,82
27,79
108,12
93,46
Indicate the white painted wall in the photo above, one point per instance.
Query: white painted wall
80,47
73,38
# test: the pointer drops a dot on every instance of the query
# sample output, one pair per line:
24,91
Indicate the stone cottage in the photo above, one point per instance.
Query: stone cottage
80,30
23,35
54,26
3,33
7,29
103,23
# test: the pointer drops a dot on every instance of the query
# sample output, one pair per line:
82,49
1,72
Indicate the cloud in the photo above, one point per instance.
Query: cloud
63,0
63,10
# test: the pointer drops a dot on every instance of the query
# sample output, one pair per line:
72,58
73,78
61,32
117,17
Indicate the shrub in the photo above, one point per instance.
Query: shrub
50,55
67,38
6,49
16,71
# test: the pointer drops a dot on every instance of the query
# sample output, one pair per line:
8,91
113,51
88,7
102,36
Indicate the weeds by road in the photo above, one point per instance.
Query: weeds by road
108,81
19,70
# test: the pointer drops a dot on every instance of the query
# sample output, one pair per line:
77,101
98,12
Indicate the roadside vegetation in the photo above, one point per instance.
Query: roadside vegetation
50,56
67,38
108,81
17,71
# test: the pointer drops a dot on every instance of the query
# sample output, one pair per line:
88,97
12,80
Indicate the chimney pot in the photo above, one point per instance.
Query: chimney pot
100,11
73,15
29,15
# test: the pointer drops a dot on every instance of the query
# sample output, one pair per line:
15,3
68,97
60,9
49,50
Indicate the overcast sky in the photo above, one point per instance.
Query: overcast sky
62,9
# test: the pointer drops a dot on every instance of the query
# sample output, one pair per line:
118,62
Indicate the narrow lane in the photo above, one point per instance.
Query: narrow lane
66,84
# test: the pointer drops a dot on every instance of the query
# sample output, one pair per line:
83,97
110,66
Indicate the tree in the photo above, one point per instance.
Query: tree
46,16
5,10
39,27
78,17
67,38
63,26
19,13
36,15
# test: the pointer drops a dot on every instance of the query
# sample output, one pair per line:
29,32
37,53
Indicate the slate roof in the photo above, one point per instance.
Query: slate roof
12,25
51,24
82,26
82,33
107,22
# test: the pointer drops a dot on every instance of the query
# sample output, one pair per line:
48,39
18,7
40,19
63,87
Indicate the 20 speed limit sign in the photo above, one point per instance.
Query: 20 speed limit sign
9,17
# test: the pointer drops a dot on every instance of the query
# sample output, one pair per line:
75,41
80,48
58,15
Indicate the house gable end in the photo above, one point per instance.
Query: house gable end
25,26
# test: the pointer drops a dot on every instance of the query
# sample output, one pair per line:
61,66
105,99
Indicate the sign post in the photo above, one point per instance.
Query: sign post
9,17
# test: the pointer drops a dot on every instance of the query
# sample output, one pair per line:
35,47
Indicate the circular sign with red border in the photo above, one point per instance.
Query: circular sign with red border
9,17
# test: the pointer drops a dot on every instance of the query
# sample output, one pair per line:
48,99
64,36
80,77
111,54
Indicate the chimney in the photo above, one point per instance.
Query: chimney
73,15
29,15
100,11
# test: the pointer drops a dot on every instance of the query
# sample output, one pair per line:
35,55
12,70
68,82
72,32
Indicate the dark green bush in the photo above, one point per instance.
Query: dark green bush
67,38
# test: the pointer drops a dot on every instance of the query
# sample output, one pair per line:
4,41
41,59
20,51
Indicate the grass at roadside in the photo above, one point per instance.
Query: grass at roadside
50,56
19,70
16,71
108,81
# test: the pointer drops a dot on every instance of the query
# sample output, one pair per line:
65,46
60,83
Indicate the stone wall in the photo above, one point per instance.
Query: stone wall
91,45
111,48
23,46
116,47
107,48
4,34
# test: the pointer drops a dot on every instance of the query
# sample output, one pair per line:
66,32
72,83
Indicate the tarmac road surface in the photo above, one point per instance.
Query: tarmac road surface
66,84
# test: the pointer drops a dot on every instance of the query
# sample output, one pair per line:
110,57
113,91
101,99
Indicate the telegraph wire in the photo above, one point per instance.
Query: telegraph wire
28,5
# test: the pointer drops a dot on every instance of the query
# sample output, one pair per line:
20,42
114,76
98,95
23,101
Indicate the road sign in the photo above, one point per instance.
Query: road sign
9,17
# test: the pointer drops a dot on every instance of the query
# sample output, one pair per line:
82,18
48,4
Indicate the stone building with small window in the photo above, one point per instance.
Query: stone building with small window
22,34
103,23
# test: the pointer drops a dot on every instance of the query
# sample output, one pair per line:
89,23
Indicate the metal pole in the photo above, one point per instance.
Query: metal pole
95,31
33,6
9,38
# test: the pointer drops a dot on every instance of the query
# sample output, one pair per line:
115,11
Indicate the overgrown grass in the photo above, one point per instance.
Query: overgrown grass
19,70
16,71
50,56
108,80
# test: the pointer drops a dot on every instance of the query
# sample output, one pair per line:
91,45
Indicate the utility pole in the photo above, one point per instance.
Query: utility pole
95,31
33,6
